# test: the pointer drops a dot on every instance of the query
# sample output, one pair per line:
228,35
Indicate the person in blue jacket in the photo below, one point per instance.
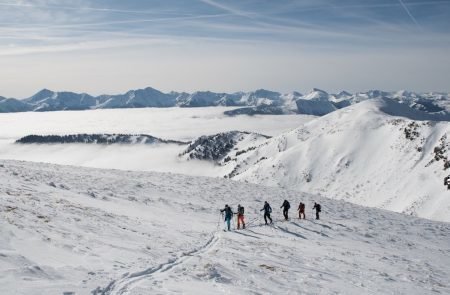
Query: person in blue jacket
228,215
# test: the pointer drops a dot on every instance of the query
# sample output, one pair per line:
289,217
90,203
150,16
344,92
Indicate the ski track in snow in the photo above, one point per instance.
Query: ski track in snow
128,281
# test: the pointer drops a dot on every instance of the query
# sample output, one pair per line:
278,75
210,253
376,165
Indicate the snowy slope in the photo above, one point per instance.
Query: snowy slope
218,146
90,231
376,153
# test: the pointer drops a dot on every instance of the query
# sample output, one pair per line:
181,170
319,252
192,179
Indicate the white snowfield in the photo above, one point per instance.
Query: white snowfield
377,153
74,230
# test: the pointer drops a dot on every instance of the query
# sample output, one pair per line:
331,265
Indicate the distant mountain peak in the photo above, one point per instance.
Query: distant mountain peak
41,95
317,90
344,93
316,94
264,93
44,93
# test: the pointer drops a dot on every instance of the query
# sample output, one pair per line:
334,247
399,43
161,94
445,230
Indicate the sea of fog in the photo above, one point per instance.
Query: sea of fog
167,123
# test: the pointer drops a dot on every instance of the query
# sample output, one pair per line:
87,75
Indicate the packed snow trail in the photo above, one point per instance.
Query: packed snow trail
126,283
72,229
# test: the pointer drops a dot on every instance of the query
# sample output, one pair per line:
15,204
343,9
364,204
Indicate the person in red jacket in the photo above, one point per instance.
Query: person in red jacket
240,217
301,211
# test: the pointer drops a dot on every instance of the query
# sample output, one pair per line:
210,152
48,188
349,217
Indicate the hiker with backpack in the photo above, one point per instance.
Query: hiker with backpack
301,211
267,210
240,217
318,209
286,206
228,215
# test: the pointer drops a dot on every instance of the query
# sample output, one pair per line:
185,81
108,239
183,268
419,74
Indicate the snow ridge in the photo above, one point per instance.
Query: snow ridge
217,147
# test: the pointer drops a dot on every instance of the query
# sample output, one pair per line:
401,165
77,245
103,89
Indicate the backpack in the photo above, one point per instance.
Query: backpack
319,208
288,205
241,210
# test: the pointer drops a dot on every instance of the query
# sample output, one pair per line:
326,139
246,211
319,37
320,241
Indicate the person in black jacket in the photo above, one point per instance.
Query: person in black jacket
286,206
267,210
318,209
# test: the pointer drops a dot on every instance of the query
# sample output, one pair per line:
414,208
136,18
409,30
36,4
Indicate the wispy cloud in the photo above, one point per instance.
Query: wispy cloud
81,46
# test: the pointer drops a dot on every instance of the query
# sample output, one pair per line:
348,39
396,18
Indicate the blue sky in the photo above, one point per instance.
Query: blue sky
110,46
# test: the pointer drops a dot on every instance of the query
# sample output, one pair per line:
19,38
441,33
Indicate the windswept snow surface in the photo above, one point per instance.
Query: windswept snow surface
73,230
376,153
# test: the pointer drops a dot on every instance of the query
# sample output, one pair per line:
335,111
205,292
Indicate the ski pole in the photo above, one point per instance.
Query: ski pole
221,217
218,222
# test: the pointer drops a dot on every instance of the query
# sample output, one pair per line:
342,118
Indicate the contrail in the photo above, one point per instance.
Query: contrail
409,13
227,8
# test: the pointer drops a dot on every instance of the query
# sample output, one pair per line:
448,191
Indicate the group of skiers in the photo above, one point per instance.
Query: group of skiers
228,213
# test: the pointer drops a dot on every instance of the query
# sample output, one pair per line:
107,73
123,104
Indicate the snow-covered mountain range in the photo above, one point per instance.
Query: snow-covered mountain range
316,102
74,230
